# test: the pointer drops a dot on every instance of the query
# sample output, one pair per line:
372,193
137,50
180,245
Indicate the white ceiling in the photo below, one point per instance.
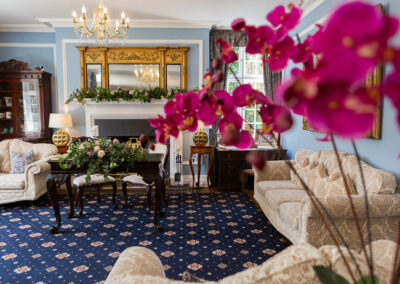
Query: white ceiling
199,12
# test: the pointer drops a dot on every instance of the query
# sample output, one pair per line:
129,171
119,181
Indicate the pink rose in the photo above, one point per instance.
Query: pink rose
101,154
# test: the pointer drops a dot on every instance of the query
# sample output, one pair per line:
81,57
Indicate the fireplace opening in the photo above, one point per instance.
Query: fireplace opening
123,129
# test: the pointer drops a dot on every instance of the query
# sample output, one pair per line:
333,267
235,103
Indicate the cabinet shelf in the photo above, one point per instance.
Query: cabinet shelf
35,92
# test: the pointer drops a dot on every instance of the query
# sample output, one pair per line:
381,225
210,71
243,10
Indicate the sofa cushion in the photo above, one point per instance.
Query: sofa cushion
263,186
290,213
327,187
12,181
5,163
274,198
20,161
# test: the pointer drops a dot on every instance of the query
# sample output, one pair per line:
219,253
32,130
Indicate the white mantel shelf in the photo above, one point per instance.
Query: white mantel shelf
123,102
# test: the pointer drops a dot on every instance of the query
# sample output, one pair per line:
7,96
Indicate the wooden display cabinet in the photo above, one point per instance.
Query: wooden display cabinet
25,102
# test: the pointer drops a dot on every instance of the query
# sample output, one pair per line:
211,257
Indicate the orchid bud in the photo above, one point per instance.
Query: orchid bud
257,159
216,63
143,138
217,77
230,137
238,24
152,147
204,96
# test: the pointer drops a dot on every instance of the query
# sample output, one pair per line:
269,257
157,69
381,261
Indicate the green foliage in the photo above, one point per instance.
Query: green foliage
327,276
141,95
101,156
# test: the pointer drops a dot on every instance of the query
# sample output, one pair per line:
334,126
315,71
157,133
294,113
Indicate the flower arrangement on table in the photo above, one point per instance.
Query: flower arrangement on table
102,94
331,94
101,156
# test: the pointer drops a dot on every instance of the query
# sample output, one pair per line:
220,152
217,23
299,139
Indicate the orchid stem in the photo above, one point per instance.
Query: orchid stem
346,185
371,263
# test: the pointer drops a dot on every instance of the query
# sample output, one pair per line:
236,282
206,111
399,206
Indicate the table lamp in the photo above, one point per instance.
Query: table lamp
200,137
60,120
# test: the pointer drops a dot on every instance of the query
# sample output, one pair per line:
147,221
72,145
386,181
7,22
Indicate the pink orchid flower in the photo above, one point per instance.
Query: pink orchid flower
245,95
238,24
228,55
280,53
303,51
360,43
231,133
186,106
214,104
286,21
330,111
166,127
275,118
261,39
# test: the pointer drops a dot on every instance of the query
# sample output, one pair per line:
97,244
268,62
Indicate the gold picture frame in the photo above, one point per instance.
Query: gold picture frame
161,55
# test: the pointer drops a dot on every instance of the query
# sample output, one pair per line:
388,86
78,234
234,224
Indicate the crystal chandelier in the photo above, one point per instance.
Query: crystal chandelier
101,27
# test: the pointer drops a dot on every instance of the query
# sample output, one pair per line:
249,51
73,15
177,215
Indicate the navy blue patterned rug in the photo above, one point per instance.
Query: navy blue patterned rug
212,235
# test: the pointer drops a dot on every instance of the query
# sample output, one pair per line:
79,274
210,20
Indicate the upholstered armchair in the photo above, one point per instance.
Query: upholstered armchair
31,184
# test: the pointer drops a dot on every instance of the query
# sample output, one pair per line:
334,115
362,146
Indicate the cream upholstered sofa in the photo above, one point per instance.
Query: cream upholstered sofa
287,206
292,265
32,183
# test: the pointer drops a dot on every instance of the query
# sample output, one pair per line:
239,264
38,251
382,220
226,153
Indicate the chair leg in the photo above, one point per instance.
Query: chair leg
148,201
114,186
76,197
124,185
164,201
80,193
98,194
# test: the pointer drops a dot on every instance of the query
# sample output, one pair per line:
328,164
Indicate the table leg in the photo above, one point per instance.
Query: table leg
159,183
51,184
124,185
209,168
243,182
198,170
191,169
70,197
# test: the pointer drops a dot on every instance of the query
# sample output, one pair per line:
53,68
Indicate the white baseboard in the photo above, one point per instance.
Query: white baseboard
187,179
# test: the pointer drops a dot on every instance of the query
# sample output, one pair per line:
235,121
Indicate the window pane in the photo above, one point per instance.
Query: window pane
258,117
249,116
231,86
235,68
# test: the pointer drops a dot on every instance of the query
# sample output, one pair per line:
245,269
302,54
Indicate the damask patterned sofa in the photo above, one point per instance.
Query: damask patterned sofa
293,265
32,183
287,206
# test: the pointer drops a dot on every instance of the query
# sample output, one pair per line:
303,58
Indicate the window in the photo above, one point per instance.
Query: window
249,70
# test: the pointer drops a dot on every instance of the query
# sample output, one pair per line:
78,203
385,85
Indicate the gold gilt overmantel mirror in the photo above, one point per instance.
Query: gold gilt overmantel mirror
133,67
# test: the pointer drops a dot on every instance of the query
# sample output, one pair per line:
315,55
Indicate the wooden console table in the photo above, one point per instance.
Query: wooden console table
149,170
231,162
200,150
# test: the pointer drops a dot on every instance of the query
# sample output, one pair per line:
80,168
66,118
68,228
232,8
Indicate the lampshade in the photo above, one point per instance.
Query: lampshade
60,120
200,125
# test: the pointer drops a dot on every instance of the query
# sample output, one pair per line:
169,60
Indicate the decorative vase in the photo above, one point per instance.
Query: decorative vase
200,138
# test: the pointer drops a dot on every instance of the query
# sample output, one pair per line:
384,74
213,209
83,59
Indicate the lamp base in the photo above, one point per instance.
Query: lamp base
60,138
200,138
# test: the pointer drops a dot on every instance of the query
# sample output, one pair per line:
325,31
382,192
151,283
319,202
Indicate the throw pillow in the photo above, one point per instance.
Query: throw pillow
188,277
326,187
334,176
20,162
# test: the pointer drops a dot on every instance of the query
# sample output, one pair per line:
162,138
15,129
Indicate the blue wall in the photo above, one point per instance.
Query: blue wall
38,49
380,153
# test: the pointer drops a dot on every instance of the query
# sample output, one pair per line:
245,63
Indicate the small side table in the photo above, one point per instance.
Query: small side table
200,150
245,173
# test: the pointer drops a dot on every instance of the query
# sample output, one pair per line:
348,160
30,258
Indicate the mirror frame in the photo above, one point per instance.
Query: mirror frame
161,55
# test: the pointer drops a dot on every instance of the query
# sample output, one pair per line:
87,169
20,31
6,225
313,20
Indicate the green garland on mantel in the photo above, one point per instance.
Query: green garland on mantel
142,95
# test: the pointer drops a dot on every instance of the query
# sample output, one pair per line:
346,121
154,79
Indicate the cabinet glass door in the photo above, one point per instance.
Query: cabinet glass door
29,107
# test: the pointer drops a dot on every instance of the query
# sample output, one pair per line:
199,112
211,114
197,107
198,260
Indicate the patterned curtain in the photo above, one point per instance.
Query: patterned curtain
271,79
237,40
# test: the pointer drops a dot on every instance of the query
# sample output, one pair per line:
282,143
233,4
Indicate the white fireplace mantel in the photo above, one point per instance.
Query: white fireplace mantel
128,110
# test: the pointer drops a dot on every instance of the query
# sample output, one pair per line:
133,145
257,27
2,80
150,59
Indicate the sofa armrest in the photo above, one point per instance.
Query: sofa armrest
38,166
135,261
338,207
273,170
